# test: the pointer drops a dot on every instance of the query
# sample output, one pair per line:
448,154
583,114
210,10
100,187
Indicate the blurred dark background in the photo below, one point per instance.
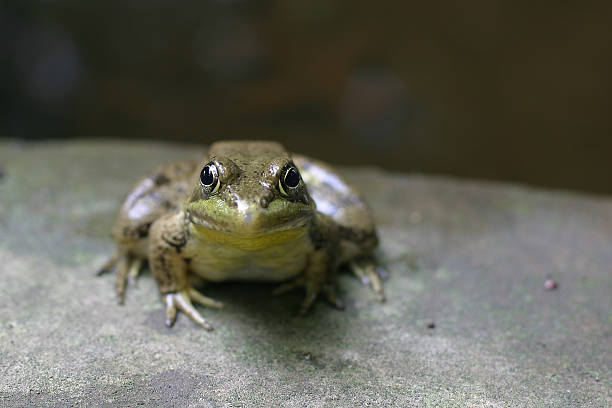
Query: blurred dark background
505,90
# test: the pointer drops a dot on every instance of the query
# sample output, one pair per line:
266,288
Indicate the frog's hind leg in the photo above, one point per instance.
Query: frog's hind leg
370,274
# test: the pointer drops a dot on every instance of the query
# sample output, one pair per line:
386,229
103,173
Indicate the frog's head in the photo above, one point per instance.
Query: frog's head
249,188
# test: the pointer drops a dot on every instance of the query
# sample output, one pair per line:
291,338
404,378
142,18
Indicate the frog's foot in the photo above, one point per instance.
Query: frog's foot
182,301
128,266
313,288
370,274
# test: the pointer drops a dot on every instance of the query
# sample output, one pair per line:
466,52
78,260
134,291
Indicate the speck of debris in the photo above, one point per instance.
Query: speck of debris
430,325
550,284
307,356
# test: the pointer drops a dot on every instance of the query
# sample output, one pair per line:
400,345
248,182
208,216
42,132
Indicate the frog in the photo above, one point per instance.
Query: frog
246,211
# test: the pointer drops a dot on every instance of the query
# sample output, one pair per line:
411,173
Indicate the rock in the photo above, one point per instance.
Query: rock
470,256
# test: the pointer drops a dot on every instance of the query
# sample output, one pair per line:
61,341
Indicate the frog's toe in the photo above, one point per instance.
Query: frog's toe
204,300
121,277
300,282
368,272
108,265
182,301
332,297
289,286
313,288
311,296
134,270
128,268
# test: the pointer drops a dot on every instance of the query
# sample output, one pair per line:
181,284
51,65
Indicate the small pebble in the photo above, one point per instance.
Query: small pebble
430,325
550,284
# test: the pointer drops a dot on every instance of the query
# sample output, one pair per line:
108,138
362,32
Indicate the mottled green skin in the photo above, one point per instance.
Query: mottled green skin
247,225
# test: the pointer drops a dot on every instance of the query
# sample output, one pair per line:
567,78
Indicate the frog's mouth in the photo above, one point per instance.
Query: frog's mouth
221,226
247,220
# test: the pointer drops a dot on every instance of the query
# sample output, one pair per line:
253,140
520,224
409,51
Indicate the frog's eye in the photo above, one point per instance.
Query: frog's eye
209,178
289,180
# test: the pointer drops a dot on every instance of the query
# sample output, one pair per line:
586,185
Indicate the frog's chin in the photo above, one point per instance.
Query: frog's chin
247,228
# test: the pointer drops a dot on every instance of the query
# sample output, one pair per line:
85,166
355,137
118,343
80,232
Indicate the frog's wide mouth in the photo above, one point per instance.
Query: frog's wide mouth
253,221
223,227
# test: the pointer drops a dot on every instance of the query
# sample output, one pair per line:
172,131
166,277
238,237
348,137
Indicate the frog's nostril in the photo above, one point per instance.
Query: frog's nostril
265,199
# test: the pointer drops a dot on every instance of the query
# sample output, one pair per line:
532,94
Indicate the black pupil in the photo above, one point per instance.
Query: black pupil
292,179
206,176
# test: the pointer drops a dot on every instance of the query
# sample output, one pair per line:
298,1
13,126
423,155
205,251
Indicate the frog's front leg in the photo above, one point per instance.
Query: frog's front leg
318,276
170,269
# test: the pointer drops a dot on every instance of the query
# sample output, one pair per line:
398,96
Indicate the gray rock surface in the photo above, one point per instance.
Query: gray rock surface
470,257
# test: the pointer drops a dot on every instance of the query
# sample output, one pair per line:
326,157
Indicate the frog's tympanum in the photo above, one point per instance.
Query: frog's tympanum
248,211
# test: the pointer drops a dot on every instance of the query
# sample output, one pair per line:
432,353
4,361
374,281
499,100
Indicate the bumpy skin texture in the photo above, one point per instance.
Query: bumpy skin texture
247,211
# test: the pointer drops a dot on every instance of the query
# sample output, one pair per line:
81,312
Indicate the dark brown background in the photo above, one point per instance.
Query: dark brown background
508,90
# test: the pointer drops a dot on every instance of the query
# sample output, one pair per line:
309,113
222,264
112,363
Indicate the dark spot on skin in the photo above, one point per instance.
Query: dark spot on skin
143,230
160,179
318,239
357,236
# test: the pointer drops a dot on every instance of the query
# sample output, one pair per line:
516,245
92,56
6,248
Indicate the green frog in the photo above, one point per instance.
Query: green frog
248,211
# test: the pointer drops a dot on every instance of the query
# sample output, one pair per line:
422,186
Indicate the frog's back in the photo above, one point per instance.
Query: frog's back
154,196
